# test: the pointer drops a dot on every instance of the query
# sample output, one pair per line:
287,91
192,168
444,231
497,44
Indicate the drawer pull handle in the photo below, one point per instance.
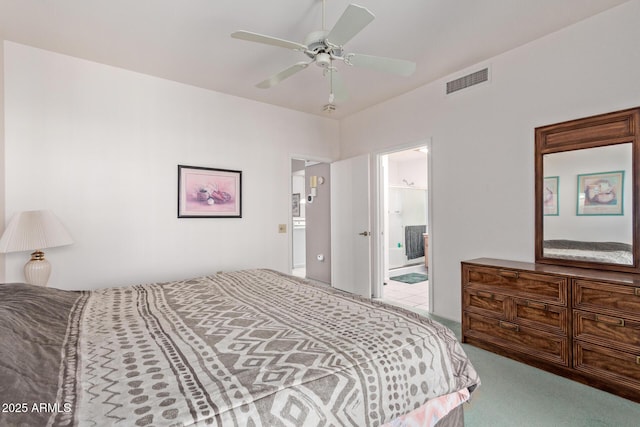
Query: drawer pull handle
638,360
637,292
609,320
483,294
538,305
509,326
509,274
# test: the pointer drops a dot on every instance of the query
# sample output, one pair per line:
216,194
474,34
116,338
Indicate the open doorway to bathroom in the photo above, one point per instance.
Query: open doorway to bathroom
406,228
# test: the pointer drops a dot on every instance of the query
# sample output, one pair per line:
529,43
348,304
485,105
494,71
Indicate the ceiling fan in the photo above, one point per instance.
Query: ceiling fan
324,47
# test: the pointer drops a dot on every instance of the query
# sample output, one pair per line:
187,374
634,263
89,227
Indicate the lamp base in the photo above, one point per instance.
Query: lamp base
37,270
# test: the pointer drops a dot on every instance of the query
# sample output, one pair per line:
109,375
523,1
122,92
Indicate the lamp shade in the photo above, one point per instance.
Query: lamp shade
32,230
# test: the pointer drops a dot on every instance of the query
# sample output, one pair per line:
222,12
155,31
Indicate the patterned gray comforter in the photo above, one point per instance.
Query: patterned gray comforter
248,348
604,252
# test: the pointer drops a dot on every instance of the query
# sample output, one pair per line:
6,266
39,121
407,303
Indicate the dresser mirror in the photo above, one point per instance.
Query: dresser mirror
587,204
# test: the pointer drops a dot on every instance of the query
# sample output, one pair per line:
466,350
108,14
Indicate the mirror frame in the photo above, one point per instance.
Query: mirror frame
618,127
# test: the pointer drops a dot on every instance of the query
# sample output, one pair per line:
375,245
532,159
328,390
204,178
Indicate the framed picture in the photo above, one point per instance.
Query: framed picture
295,204
209,193
550,195
601,193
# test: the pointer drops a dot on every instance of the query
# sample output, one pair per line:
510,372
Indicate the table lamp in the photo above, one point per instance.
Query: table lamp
35,230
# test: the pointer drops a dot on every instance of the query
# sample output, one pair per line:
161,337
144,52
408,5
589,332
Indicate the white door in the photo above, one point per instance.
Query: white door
350,226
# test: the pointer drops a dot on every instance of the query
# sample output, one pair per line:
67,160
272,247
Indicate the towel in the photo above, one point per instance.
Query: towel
413,240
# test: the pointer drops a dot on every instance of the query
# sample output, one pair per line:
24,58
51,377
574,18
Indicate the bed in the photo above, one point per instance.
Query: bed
605,252
245,348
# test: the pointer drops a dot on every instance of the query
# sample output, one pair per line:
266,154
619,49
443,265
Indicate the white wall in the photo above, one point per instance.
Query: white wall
483,137
2,157
99,146
412,170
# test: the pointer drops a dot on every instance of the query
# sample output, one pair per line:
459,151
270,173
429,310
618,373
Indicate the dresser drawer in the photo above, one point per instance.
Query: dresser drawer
606,363
607,330
522,339
540,315
541,287
486,303
606,297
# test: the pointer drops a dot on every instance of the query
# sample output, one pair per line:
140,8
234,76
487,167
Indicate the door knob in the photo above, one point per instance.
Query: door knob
364,233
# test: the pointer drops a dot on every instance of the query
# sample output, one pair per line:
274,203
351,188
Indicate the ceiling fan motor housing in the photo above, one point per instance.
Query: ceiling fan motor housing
320,50
315,41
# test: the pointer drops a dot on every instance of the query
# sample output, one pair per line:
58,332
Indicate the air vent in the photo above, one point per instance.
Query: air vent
468,80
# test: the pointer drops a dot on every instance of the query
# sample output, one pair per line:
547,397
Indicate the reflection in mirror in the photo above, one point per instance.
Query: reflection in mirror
587,202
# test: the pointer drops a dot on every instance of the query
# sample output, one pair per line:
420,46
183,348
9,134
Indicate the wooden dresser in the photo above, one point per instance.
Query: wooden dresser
579,323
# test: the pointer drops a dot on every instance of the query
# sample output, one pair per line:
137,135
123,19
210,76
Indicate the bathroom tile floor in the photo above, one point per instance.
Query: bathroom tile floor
414,295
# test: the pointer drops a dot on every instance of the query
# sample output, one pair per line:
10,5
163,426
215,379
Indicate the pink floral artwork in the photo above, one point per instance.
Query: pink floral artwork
208,192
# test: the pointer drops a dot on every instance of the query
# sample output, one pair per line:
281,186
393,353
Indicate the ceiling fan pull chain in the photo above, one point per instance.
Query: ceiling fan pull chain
331,71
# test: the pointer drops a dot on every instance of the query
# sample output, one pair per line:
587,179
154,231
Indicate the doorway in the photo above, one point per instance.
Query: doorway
298,218
405,237
310,220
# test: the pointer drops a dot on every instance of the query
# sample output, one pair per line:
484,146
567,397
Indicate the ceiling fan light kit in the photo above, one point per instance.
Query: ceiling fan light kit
323,47
323,60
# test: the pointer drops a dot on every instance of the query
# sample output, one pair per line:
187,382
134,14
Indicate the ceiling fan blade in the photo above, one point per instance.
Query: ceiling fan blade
352,21
288,72
337,86
378,63
273,41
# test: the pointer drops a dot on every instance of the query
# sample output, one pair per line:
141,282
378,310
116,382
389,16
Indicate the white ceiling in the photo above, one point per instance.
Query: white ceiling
188,40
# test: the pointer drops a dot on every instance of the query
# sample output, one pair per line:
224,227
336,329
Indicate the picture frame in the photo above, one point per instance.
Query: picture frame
551,196
601,193
209,192
295,204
